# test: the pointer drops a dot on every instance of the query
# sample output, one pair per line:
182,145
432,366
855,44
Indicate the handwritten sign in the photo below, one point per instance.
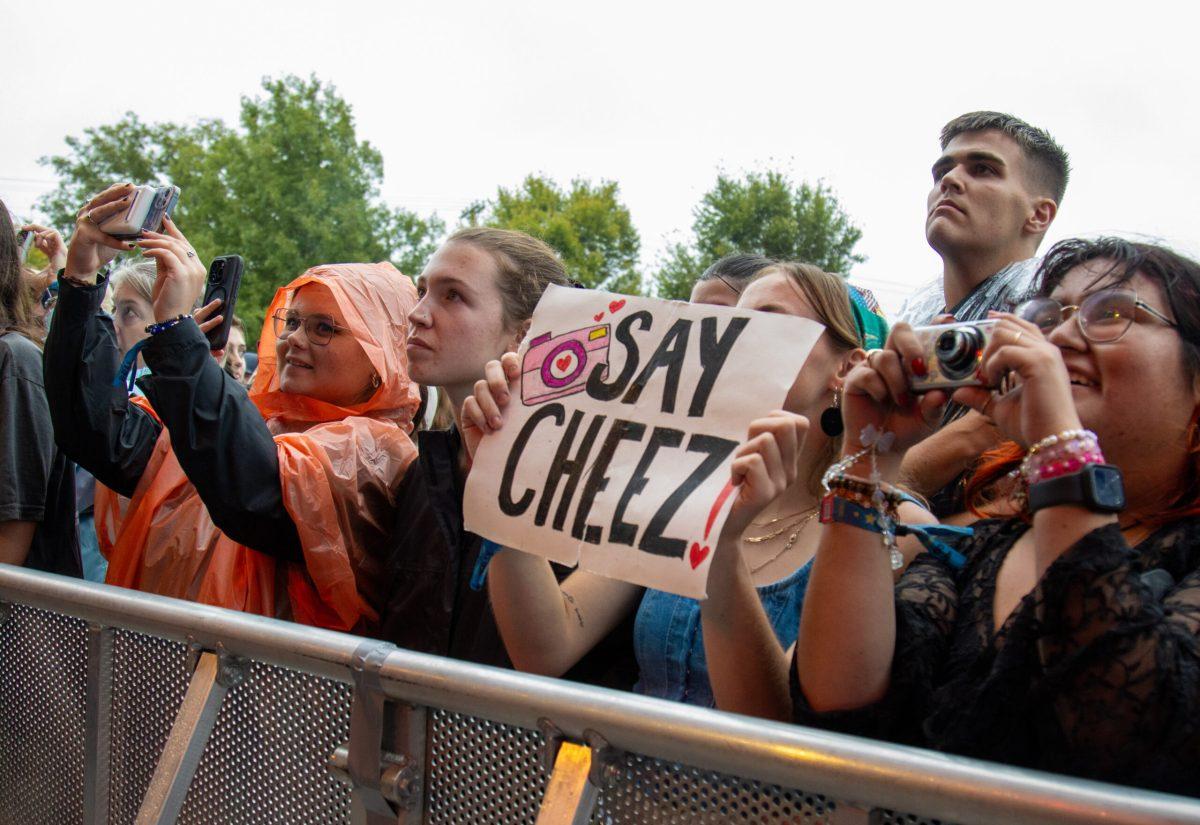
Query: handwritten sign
615,450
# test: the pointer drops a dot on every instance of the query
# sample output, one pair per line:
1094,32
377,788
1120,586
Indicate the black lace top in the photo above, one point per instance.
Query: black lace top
1095,673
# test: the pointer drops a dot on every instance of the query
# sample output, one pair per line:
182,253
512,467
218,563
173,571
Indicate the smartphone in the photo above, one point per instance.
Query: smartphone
224,278
25,241
145,212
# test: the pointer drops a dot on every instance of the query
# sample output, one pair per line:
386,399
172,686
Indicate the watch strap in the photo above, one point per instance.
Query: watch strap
1076,488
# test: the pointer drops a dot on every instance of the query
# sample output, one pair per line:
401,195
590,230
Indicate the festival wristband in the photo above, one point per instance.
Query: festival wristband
835,509
487,549
126,374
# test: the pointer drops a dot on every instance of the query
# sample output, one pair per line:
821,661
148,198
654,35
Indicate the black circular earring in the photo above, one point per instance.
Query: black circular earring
831,417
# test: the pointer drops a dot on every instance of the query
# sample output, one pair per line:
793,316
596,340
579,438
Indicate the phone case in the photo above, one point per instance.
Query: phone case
224,280
128,224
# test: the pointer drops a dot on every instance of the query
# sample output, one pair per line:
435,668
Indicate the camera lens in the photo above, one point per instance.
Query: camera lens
217,273
958,351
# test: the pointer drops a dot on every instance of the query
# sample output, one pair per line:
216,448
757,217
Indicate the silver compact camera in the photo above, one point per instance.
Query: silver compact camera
952,354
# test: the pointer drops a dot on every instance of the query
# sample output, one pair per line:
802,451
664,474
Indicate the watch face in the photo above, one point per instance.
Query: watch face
1107,487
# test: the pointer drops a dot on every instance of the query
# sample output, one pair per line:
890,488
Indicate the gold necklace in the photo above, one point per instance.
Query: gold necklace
760,539
787,545
781,518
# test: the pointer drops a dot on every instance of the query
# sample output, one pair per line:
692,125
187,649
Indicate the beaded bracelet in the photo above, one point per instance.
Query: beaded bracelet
163,326
861,487
1060,454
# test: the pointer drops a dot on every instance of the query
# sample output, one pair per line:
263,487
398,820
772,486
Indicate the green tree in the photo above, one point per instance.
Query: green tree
291,187
764,214
587,225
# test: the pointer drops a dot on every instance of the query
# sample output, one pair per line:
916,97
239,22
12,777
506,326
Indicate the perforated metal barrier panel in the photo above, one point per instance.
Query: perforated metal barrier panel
480,771
149,679
266,761
43,675
267,758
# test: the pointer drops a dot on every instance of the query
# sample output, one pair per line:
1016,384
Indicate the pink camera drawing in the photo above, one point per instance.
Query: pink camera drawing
557,366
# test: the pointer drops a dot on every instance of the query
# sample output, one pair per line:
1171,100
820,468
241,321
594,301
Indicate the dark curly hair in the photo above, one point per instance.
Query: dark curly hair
1179,278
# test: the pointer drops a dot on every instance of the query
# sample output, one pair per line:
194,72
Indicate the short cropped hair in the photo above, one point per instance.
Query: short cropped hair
1049,166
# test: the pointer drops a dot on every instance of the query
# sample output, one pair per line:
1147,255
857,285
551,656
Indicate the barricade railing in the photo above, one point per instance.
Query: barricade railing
119,707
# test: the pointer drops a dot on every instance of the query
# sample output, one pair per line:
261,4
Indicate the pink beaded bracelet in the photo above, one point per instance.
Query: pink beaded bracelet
1061,454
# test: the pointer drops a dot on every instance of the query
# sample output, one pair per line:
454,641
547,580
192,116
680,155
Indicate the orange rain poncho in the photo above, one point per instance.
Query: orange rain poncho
338,467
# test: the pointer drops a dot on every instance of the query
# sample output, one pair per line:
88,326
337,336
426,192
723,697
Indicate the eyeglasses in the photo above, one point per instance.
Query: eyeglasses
317,329
1103,316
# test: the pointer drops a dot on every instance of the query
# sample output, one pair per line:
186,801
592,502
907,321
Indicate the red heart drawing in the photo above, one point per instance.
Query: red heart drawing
563,363
613,306
597,316
698,554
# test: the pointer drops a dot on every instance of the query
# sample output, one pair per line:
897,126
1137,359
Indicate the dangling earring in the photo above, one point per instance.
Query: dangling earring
831,418
375,381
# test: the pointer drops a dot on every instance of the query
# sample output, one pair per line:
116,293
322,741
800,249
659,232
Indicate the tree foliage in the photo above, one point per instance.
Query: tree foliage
764,214
587,225
290,187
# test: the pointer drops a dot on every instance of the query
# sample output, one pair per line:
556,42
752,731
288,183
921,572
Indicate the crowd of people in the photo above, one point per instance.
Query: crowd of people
1008,570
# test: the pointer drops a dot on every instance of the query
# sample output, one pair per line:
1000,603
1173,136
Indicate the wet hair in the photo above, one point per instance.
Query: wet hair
736,271
16,299
1179,279
1177,276
827,294
1049,166
526,266
139,275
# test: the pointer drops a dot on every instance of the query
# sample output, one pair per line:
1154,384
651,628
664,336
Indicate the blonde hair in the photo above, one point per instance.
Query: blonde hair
138,274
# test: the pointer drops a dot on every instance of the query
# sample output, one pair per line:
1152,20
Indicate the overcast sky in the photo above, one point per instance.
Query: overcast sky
461,97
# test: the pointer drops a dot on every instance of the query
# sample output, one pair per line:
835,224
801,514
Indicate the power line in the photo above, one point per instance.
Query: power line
29,180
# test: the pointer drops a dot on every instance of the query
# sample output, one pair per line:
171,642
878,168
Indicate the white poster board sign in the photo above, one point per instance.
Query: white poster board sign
615,449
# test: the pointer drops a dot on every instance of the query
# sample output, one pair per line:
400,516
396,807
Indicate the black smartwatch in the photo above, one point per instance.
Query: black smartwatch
1097,487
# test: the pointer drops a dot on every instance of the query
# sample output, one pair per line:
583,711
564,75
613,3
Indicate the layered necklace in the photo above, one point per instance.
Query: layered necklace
802,518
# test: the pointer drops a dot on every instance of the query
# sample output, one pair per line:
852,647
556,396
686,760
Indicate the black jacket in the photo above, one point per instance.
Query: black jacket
214,425
432,607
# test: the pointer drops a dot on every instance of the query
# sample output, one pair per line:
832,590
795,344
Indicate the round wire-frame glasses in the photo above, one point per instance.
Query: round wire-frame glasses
1103,317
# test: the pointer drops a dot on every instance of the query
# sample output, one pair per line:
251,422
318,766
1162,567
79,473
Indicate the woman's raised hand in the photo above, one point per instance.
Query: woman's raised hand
877,393
179,281
482,413
1039,403
50,244
209,318
764,466
90,247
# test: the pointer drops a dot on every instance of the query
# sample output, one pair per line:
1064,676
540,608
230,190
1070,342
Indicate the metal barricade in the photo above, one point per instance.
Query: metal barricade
120,707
